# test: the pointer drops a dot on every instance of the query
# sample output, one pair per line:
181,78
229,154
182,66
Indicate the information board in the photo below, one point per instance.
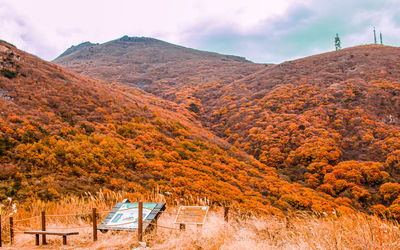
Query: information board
124,216
191,214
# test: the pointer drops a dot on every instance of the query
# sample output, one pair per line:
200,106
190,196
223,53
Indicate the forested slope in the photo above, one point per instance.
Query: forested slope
64,134
327,122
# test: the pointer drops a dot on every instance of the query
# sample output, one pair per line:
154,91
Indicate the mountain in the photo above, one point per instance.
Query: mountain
328,122
154,65
65,134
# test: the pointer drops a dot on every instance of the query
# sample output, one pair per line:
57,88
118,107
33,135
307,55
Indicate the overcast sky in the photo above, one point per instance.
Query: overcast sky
265,31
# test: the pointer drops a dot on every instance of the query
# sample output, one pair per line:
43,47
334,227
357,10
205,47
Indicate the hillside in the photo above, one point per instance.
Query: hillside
65,134
328,122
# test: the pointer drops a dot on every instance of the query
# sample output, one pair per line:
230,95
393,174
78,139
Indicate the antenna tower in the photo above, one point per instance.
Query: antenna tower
338,45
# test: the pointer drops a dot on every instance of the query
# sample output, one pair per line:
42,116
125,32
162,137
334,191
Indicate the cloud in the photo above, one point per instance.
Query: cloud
306,28
22,32
49,27
261,30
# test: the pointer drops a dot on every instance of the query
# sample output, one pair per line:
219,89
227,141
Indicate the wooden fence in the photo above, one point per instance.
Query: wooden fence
94,215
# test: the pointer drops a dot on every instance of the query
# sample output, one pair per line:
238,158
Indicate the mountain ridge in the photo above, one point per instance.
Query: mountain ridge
143,40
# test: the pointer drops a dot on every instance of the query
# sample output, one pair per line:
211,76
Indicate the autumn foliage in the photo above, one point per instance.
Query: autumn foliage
317,134
65,134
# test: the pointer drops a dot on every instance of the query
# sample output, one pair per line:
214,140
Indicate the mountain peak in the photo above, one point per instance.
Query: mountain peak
137,39
78,47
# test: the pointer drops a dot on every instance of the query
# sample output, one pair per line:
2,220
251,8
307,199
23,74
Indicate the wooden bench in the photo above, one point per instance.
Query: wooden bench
63,234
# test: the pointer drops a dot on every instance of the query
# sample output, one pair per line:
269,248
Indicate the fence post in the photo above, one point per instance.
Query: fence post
287,222
140,222
226,214
44,227
94,224
155,225
11,230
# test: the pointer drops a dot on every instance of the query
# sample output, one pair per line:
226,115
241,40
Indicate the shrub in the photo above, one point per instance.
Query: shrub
8,73
389,191
194,108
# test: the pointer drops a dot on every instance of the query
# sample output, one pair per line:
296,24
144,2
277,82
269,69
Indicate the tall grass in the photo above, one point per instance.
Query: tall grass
296,231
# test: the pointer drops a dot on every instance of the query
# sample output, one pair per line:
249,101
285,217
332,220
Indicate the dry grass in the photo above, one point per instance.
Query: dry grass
301,231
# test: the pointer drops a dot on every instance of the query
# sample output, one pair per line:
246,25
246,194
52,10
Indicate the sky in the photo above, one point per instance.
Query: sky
263,31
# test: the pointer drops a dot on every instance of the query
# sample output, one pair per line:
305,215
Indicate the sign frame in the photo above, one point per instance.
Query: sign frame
152,216
191,223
